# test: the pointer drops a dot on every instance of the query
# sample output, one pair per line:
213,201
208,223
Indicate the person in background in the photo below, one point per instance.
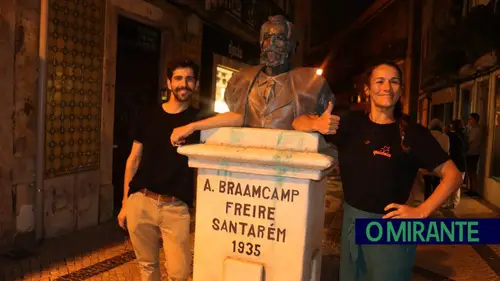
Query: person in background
446,129
457,154
379,156
459,126
431,179
474,145
438,131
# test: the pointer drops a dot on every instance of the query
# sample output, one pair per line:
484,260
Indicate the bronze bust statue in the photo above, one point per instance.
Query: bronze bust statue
273,94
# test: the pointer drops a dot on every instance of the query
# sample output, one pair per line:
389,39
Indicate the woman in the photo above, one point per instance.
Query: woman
379,155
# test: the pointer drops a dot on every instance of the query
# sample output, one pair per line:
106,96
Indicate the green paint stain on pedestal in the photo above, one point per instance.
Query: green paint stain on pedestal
279,180
281,159
291,138
235,136
225,173
280,138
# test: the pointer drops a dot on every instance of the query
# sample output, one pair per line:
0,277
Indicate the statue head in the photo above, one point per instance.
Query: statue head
277,43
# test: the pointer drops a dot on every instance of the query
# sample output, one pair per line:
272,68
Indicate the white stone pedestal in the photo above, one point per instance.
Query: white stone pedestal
260,204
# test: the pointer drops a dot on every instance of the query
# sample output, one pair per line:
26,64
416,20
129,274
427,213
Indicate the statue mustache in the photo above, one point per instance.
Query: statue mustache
272,50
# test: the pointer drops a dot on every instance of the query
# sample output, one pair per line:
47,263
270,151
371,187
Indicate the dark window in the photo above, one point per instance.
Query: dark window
466,104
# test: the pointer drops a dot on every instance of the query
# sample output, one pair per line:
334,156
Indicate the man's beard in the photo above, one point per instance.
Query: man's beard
179,98
280,57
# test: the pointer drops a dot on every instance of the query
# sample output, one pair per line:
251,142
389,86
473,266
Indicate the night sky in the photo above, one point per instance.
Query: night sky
328,17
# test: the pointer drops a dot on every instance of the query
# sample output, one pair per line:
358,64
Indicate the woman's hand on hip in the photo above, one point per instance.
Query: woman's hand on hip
400,211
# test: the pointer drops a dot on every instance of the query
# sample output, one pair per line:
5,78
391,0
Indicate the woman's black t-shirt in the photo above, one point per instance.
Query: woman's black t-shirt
374,168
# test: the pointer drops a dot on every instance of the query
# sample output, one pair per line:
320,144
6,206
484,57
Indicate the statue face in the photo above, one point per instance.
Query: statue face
274,44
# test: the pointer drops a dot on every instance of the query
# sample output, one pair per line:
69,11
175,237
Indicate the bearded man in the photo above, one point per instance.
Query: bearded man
273,94
159,185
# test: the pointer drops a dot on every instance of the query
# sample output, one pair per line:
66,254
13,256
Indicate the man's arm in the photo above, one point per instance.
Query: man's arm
228,119
131,166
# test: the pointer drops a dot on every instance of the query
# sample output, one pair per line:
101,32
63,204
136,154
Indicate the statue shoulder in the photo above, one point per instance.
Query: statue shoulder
312,90
253,68
248,72
243,76
314,84
237,87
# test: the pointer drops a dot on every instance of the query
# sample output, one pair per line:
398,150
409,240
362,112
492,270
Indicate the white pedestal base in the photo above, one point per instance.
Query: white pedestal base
258,217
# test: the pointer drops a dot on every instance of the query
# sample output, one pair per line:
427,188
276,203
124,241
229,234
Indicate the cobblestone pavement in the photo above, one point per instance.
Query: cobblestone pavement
104,252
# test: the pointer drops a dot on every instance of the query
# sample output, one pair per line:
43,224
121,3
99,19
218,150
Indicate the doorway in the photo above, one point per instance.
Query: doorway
443,112
465,102
137,85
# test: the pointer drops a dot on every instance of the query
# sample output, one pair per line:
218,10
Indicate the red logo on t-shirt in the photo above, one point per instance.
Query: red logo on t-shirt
384,151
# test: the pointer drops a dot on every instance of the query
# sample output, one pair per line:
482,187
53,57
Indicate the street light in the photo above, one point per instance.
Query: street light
319,71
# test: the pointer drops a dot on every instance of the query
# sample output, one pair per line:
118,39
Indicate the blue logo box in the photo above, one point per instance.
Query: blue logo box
427,231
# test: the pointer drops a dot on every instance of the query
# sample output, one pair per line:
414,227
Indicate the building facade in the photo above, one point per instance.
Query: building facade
383,30
64,138
460,75
448,51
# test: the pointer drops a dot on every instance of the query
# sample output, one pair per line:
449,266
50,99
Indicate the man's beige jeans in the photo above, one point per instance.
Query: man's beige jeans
148,222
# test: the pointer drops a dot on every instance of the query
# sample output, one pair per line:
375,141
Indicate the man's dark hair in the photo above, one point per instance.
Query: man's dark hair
475,116
182,63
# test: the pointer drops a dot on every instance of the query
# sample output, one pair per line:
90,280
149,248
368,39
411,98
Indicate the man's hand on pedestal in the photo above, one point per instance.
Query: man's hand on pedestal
180,134
327,124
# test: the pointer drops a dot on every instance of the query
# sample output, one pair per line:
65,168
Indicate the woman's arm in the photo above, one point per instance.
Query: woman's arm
429,155
326,123
451,180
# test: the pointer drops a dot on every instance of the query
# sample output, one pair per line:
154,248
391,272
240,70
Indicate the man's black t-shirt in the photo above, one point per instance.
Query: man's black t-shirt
374,168
162,170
